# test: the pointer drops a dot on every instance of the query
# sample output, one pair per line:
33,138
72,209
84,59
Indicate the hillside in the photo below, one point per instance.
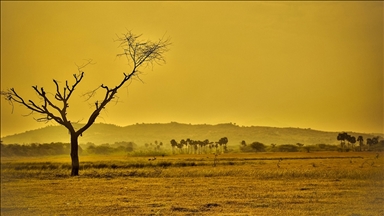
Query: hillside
148,133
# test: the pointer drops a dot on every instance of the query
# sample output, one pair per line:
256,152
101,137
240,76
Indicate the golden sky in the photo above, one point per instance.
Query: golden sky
312,65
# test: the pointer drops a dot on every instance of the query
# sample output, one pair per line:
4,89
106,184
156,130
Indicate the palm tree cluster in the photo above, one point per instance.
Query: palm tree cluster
372,141
156,146
342,137
188,146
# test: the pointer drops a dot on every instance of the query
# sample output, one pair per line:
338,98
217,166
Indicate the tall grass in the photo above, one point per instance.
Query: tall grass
333,168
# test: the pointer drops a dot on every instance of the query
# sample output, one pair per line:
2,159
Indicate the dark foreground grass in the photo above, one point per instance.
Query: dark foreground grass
253,184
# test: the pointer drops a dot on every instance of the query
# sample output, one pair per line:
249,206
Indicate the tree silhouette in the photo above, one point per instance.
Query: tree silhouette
369,142
174,145
342,137
223,143
352,140
180,146
139,54
258,147
243,143
375,140
361,142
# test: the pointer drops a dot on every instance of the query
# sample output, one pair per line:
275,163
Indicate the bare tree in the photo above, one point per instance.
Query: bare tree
139,54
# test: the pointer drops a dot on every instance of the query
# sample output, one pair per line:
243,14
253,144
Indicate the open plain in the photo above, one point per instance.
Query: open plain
316,183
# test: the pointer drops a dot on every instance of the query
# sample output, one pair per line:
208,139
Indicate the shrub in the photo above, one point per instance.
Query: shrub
287,148
258,147
253,147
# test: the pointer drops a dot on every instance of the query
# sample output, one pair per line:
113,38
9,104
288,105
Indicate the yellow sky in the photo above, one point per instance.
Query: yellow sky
312,65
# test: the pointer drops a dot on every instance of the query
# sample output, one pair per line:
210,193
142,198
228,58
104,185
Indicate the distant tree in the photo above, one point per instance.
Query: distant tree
361,142
223,142
369,143
342,137
287,148
174,145
205,145
189,146
139,53
158,145
125,146
375,140
258,147
352,140
243,143
180,145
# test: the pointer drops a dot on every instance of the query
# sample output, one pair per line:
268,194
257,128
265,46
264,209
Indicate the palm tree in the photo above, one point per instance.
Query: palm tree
205,144
348,138
189,145
223,142
361,142
341,137
369,142
182,144
243,143
375,140
195,147
352,140
173,144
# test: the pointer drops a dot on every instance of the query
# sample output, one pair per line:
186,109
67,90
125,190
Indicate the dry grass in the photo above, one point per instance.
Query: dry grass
242,184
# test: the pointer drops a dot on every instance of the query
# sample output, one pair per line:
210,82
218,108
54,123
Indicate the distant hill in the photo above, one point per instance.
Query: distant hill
149,133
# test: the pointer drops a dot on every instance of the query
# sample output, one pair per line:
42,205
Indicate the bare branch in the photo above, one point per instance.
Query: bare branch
80,67
139,53
142,52
90,94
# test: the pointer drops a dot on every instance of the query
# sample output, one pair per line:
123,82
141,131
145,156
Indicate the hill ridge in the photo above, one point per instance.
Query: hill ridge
101,133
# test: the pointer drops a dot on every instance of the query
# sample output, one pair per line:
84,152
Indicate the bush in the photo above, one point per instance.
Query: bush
377,147
287,148
326,147
253,147
258,147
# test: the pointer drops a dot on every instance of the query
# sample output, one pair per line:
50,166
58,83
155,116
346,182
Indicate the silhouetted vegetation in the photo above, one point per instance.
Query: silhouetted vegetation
189,146
372,144
36,149
51,149
253,147
106,148
139,53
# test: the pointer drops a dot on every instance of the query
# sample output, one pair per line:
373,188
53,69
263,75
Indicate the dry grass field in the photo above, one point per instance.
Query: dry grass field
321,183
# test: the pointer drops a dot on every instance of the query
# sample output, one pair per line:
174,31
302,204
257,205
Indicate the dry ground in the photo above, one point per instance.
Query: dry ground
242,184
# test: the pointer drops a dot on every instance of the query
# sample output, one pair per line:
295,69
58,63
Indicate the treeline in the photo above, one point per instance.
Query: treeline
299,147
36,149
105,149
51,149
188,146
347,142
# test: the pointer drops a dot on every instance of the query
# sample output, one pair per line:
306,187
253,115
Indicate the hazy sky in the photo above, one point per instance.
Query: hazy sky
312,65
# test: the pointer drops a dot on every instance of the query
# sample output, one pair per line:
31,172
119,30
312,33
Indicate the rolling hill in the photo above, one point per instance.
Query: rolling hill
149,133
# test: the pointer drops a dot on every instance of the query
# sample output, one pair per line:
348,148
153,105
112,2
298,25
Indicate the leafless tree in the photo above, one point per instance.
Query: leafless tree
139,53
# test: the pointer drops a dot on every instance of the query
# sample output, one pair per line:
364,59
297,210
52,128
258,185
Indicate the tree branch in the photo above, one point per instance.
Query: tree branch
138,53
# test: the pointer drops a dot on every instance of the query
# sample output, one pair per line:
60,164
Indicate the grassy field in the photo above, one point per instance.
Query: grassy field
320,183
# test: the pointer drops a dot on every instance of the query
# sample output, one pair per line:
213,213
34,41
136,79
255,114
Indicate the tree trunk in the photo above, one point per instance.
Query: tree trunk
75,155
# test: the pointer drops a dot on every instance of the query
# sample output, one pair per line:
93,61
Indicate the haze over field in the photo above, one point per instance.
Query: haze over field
312,65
